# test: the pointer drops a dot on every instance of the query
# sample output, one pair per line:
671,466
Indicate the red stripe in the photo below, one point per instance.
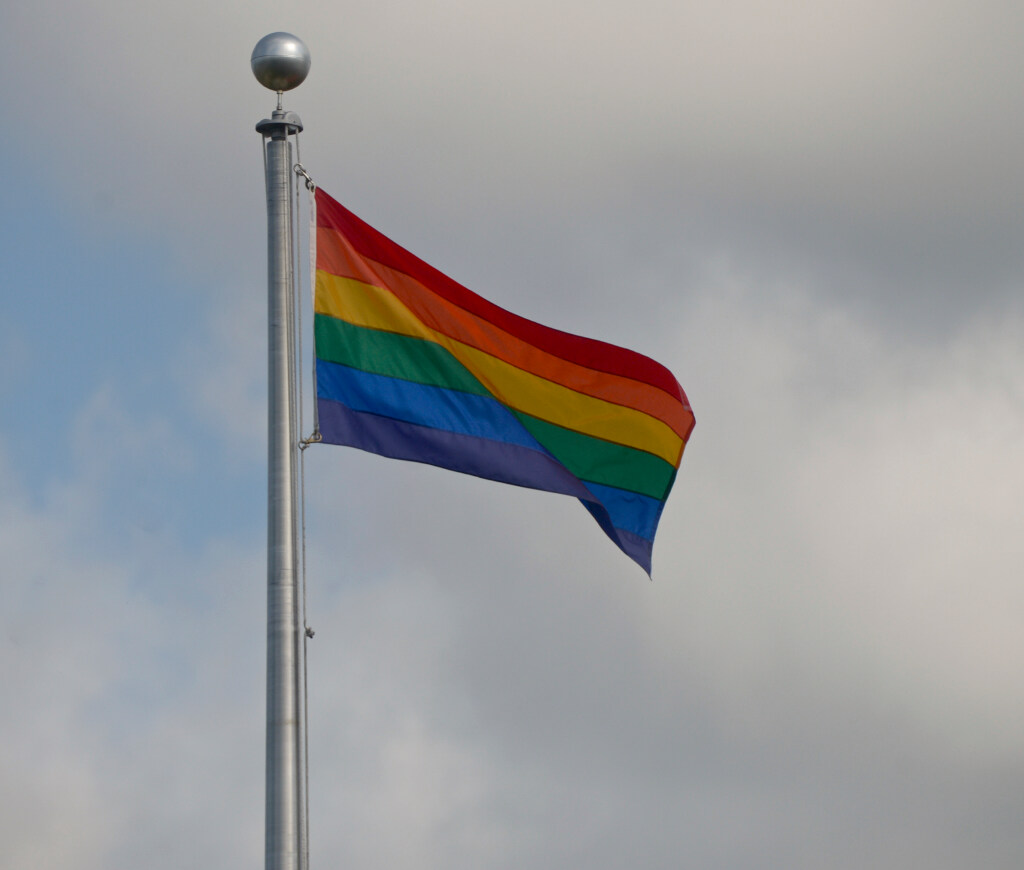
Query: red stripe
593,354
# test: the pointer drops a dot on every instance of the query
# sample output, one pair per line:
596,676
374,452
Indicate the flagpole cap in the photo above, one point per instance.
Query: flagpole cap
280,61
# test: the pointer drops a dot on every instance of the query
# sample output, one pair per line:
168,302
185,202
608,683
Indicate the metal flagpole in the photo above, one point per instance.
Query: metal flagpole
280,62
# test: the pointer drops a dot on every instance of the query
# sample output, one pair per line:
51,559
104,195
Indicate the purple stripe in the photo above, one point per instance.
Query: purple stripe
494,460
637,548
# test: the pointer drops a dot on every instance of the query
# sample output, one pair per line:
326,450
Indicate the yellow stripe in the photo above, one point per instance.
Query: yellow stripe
366,305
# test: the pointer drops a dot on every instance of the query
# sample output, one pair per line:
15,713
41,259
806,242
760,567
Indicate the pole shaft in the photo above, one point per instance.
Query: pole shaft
285,810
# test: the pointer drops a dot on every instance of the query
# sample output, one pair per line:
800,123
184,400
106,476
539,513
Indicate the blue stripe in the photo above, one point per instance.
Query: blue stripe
424,405
629,511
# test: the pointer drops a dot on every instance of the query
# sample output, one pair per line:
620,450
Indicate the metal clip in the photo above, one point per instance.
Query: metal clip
315,438
301,170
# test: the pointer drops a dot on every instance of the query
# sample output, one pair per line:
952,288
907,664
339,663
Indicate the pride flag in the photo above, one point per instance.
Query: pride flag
412,365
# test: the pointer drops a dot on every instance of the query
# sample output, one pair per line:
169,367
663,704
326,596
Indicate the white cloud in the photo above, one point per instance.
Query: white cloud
861,497
223,370
132,668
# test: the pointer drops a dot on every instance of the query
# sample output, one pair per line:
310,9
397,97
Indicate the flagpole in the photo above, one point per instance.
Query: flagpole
280,62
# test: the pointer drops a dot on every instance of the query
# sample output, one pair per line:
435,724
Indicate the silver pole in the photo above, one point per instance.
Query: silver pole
280,62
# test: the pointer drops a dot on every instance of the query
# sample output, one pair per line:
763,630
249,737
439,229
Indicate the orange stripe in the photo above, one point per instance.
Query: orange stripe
336,256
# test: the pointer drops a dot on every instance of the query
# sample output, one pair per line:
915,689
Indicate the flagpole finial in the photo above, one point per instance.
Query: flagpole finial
280,61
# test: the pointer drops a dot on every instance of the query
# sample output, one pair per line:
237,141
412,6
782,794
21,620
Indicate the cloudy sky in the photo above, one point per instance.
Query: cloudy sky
810,211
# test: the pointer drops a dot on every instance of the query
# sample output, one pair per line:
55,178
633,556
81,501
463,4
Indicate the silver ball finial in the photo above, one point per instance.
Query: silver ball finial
280,61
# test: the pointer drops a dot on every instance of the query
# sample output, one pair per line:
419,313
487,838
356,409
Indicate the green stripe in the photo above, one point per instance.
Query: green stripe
598,461
424,362
388,353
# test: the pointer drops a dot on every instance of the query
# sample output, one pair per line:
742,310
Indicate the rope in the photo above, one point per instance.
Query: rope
300,170
296,296
307,632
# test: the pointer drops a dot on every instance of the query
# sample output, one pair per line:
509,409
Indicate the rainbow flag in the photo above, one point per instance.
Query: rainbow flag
412,365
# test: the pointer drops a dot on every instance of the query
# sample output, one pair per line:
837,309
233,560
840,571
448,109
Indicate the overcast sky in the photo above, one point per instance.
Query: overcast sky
810,211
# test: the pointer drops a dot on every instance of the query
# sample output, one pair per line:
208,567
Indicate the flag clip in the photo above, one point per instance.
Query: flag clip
315,438
301,170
